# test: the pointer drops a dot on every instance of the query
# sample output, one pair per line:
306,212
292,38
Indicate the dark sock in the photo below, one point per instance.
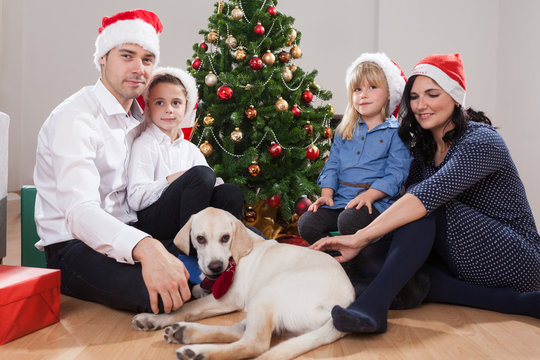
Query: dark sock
410,247
447,289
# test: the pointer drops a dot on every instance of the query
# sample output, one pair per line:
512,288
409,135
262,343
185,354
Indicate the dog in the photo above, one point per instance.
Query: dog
284,289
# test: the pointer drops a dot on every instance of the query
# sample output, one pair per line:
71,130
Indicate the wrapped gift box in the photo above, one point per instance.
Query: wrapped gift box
29,300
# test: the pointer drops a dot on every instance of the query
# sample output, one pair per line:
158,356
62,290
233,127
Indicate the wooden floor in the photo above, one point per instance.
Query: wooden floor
433,331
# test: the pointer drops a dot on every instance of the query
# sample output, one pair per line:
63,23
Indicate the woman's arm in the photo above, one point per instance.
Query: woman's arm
405,210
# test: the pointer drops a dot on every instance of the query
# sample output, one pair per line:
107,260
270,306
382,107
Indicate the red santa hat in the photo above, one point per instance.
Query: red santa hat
140,27
189,84
447,71
394,76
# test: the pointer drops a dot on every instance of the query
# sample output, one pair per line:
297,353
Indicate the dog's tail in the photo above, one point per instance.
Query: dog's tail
296,346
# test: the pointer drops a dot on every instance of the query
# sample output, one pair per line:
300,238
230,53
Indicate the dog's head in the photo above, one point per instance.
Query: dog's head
216,235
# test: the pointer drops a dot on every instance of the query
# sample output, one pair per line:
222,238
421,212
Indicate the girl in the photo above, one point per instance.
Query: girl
465,201
368,162
168,177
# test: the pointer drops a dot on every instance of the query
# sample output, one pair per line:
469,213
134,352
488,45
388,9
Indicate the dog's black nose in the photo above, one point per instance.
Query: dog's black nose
216,266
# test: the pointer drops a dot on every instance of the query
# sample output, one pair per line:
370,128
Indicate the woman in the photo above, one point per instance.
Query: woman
465,205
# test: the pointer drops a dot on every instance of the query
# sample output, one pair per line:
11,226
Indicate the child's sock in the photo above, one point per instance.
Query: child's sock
447,289
411,245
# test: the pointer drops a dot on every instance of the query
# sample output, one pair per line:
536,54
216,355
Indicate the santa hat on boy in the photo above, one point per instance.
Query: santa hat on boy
140,27
394,76
189,84
447,71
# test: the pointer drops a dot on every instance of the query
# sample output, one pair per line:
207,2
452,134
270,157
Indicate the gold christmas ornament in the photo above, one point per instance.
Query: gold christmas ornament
254,169
208,120
237,135
316,87
295,52
281,105
212,37
287,75
332,110
251,112
231,42
293,68
237,13
291,37
210,79
269,58
206,149
240,55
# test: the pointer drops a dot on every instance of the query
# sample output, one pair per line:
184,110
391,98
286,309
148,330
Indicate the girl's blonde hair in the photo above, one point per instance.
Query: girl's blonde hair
374,75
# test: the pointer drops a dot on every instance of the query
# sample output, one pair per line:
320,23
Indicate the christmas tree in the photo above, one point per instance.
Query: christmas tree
259,125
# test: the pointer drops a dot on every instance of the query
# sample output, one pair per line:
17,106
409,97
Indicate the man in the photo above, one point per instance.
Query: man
81,213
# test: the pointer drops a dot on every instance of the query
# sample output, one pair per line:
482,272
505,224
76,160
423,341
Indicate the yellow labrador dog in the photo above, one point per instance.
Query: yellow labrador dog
283,288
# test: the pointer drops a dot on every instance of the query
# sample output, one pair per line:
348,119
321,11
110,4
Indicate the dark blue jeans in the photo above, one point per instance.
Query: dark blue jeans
92,276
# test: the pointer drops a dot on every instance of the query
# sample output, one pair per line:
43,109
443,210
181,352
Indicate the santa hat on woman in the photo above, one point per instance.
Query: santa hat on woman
141,27
394,76
189,84
447,71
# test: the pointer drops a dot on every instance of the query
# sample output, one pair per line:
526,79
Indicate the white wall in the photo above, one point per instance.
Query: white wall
46,52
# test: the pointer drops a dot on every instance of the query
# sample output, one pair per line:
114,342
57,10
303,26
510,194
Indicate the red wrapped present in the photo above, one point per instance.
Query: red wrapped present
29,300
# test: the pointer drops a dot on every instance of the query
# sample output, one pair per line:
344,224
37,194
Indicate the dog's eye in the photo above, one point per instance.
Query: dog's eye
201,240
225,238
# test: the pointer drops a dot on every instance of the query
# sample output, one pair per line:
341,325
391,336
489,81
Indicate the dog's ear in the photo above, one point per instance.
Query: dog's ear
242,241
181,240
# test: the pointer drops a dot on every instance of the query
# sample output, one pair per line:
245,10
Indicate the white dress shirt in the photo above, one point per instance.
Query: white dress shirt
153,158
81,174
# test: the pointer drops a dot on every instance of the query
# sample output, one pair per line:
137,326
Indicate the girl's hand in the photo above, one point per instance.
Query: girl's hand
171,178
323,200
360,200
348,245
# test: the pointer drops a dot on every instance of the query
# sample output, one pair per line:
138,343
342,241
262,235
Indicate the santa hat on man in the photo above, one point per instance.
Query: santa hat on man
189,84
447,71
141,27
394,76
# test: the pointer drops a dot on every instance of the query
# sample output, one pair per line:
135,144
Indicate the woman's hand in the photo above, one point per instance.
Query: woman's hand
323,200
348,245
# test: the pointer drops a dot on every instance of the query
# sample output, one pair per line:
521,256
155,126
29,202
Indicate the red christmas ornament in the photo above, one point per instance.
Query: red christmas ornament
312,152
255,63
307,96
296,111
301,205
258,29
224,93
196,64
275,150
203,46
271,10
274,200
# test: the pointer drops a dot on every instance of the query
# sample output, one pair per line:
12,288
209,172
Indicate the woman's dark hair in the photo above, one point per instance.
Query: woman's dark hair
421,141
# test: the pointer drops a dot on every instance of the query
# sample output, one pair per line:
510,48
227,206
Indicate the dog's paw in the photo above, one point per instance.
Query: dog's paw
174,334
190,353
147,322
198,292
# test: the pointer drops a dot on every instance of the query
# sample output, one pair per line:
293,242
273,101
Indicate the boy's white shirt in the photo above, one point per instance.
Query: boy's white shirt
153,158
